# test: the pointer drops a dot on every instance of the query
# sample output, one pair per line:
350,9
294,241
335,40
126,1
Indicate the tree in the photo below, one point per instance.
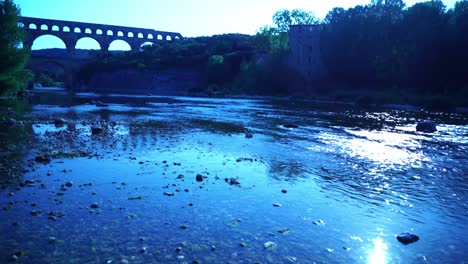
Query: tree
13,76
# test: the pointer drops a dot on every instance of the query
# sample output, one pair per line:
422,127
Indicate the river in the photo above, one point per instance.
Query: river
176,180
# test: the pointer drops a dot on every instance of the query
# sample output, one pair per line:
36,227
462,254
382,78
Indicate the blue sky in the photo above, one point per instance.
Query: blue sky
189,17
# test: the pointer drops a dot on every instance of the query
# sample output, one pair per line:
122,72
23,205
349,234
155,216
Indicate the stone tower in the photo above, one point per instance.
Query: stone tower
304,41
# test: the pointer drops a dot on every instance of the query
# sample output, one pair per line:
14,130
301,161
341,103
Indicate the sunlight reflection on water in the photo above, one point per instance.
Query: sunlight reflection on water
378,254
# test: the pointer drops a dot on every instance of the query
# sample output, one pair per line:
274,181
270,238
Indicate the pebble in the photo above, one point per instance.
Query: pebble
95,130
270,245
407,238
213,248
277,205
69,184
94,205
183,227
180,257
178,249
242,244
142,250
51,240
284,191
199,178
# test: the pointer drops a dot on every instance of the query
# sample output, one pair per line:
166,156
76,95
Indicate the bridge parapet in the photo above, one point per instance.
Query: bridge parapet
70,32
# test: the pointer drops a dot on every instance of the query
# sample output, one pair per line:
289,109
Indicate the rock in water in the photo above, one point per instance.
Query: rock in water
60,122
199,178
426,127
407,238
290,126
269,245
96,130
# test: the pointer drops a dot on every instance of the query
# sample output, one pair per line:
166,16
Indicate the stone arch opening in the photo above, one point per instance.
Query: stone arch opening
32,26
87,43
120,34
176,37
140,35
146,44
119,45
77,30
55,28
130,34
48,41
98,32
160,37
44,27
88,31
66,29
150,36
168,38
20,25
109,33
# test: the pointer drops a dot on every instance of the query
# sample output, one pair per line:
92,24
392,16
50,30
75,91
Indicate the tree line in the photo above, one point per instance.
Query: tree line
382,47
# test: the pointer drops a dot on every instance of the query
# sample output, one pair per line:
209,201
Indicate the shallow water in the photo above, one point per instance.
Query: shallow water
353,180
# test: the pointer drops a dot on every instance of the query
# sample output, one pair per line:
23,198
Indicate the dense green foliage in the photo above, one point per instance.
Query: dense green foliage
381,50
13,76
420,49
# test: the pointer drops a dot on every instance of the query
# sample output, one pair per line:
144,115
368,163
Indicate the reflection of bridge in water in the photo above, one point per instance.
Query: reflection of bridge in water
70,32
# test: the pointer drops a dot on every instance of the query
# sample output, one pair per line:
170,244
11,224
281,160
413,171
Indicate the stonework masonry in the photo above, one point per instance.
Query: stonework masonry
70,32
304,41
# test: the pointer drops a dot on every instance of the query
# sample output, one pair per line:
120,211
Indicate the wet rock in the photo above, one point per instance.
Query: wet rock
96,130
69,184
35,212
277,205
407,238
242,244
199,178
11,194
43,158
284,231
213,248
426,127
290,126
136,198
94,206
13,258
284,191
269,245
249,135
180,176
319,222
232,181
178,249
142,250
10,122
168,194
60,122
100,104
51,240
183,227
180,257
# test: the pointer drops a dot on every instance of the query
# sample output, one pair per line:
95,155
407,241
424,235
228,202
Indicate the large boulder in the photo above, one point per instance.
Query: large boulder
426,127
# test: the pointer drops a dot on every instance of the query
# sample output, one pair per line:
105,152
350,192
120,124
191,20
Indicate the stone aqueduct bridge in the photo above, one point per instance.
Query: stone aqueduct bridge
70,32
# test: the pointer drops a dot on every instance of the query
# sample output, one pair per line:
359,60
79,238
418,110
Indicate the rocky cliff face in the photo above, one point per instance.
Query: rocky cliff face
164,82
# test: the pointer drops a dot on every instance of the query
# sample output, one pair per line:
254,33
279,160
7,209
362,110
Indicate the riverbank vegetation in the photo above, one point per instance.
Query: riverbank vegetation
383,52
13,75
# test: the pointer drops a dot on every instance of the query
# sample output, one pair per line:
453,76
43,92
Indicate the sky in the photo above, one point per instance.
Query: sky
191,18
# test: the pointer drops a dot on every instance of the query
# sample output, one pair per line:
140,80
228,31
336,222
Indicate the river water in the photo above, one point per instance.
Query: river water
317,183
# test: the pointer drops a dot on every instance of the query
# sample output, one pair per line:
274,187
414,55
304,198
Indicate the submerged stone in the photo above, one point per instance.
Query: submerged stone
94,205
407,238
199,178
270,245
